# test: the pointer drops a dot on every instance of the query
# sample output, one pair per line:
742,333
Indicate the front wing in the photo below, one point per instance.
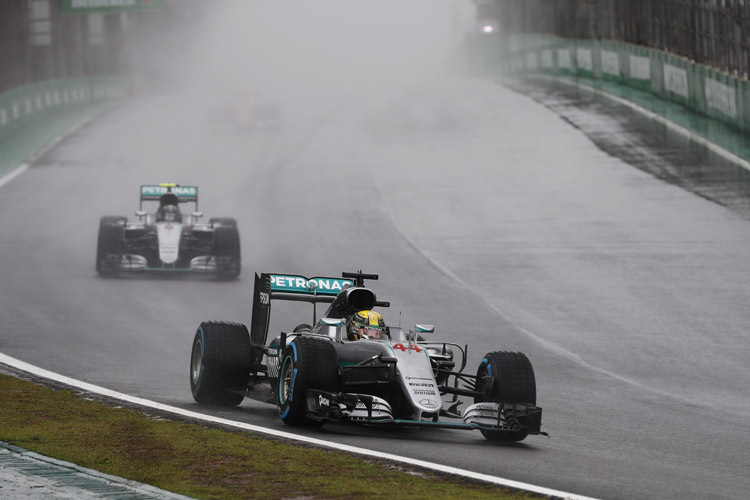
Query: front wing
142,254
372,410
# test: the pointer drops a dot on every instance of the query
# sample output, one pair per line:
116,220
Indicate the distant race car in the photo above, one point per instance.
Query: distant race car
247,110
316,374
167,239
253,111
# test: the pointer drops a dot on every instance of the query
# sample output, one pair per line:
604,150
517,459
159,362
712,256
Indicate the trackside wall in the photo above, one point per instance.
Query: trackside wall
697,87
33,115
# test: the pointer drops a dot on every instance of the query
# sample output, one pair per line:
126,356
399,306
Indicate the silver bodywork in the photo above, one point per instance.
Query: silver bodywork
414,370
169,235
417,380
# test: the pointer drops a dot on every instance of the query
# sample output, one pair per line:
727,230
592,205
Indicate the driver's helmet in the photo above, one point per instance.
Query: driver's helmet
168,213
366,324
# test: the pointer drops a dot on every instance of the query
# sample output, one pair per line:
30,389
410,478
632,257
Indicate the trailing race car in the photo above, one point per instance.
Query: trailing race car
248,110
317,374
167,239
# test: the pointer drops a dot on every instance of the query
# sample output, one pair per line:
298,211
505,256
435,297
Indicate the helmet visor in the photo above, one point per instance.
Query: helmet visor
373,333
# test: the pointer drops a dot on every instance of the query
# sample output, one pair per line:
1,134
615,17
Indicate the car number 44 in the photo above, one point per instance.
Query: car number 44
413,347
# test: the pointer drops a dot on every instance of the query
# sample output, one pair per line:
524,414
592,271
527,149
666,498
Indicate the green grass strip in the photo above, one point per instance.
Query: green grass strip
203,461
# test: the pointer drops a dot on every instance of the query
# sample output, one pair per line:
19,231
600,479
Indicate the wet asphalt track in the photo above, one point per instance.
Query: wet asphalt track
484,213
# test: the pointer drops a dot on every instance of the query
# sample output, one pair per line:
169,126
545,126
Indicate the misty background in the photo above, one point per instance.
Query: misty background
300,53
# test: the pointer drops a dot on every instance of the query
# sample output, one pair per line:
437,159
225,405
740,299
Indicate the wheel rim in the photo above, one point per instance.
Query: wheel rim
287,375
197,362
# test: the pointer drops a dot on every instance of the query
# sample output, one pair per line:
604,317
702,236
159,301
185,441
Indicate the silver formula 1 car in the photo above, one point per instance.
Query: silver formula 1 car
315,374
168,239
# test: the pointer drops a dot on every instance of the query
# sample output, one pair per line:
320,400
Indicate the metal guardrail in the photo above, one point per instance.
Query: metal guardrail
715,33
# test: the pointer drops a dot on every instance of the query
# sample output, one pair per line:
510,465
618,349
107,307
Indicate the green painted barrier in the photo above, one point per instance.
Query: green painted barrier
22,102
699,88
33,115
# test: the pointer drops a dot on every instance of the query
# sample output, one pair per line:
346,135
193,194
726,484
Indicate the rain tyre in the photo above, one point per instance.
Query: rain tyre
220,363
109,245
506,377
227,252
307,363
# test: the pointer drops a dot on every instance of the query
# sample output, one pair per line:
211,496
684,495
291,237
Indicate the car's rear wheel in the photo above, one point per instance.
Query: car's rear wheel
506,377
220,363
307,363
109,245
227,251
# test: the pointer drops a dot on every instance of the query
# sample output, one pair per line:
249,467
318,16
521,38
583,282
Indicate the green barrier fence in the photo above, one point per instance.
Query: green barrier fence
699,88
29,100
33,115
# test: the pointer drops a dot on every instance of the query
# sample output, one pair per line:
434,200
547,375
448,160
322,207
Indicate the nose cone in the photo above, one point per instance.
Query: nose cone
169,241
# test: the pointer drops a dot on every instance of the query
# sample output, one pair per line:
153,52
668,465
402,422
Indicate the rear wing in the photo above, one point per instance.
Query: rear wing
270,287
184,194
291,287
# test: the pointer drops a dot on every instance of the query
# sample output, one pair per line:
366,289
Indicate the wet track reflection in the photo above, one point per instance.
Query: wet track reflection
649,145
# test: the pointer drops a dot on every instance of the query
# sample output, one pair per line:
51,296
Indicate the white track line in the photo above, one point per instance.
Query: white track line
94,389
660,119
13,174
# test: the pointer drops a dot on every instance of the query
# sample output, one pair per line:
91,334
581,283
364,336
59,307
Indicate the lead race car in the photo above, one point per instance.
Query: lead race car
315,374
167,239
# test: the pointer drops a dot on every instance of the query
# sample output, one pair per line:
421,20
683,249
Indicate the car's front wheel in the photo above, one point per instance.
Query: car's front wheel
506,377
227,251
307,363
109,245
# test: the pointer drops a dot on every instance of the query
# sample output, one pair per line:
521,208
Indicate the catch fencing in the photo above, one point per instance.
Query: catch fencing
713,33
38,43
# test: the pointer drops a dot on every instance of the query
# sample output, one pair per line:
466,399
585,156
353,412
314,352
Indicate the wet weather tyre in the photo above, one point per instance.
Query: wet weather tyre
506,377
109,245
227,252
307,363
220,363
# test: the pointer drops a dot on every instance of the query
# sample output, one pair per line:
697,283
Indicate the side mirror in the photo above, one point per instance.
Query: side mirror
334,328
197,215
414,333
141,213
